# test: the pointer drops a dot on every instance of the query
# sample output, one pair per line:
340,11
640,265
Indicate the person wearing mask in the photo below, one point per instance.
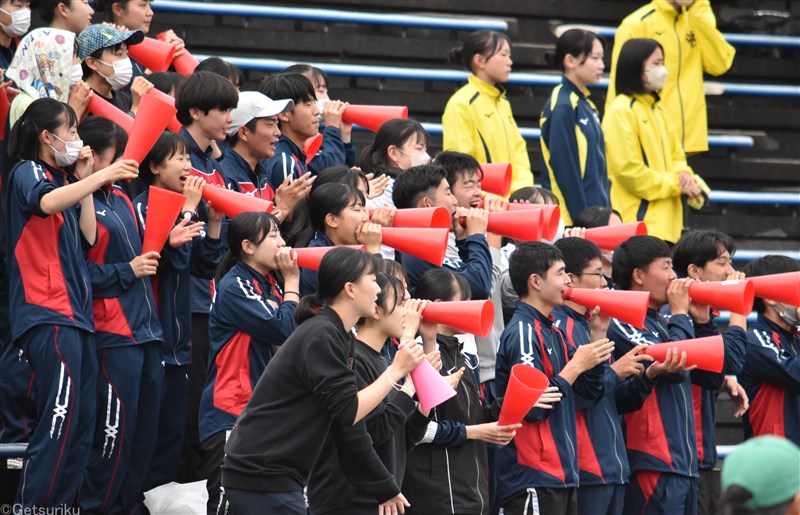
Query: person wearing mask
15,20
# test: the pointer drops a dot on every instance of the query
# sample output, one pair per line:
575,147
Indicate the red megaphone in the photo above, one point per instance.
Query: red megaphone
99,106
469,316
707,353
551,215
184,63
422,217
627,306
496,178
311,146
525,385
608,237
427,244
163,208
310,257
372,117
525,226
736,296
153,54
5,106
152,118
233,203
783,288
174,125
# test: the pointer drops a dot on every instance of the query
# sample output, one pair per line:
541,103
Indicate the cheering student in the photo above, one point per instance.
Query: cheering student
310,387
51,219
771,373
477,119
538,470
257,293
573,149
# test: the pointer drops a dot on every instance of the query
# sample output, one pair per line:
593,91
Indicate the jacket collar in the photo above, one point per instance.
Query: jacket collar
787,335
449,342
194,148
581,318
534,313
331,315
322,238
485,88
568,84
294,149
648,99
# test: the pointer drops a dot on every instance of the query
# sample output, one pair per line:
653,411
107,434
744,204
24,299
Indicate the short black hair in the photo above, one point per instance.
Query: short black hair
416,182
531,257
293,86
306,69
166,82
166,146
534,196
636,252
204,91
101,134
222,68
700,247
484,42
47,8
577,253
768,265
630,65
594,216
577,43
457,164
441,284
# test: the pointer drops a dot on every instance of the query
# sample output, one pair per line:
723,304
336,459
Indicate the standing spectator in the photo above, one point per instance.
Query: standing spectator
771,373
477,119
687,31
646,163
573,149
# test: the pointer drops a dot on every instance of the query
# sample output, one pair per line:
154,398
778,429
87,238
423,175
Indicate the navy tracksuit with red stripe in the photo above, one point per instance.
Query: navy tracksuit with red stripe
289,161
544,454
128,339
173,293
51,320
240,177
771,377
602,457
661,438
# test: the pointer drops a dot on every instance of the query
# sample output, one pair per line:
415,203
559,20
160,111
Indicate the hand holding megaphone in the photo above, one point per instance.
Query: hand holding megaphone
286,259
674,363
471,221
369,235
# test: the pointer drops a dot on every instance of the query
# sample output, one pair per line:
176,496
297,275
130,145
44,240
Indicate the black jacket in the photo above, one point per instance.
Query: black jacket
307,392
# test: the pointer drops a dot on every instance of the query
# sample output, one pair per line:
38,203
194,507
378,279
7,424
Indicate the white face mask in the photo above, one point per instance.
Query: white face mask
75,73
321,106
657,77
684,3
123,72
789,314
20,22
73,150
418,159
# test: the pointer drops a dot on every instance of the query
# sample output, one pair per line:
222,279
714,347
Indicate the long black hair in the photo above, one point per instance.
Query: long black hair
252,227
374,158
338,267
44,114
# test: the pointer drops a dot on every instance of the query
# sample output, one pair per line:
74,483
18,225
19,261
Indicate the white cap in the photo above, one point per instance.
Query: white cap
253,104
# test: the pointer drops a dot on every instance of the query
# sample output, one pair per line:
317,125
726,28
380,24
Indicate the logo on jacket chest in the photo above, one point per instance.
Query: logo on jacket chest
690,38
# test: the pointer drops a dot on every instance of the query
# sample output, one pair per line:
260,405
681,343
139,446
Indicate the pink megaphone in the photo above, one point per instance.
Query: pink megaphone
431,387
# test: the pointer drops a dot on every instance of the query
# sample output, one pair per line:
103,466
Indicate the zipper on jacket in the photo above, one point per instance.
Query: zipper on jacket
616,455
678,82
505,131
177,321
478,481
686,418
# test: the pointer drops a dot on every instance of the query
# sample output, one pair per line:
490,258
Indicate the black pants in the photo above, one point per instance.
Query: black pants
555,501
708,492
259,503
193,460
214,450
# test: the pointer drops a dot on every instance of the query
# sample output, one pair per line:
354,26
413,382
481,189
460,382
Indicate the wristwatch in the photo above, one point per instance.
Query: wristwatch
190,214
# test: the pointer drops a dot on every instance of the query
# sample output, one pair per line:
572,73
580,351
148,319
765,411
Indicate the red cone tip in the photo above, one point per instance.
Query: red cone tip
152,118
735,296
496,178
311,146
163,208
311,257
426,244
707,353
783,288
470,316
423,217
155,55
609,237
525,385
626,306
372,117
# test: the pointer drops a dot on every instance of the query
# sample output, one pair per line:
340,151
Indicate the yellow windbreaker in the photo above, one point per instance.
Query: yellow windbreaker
644,156
478,121
692,45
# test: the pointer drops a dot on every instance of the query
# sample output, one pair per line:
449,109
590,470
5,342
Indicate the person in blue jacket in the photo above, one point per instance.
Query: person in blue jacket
50,223
538,470
338,216
128,337
467,248
771,373
573,148
187,253
661,437
253,310
602,458
706,255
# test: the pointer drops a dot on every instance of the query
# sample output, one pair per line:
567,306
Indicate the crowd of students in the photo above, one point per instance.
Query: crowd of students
288,390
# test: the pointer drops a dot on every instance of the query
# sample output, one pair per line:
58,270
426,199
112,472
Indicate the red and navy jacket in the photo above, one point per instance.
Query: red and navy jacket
544,453
48,278
289,161
661,436
240,177
704,400
242,326
172,288
771,377
203,165
124,306
602,457
333,151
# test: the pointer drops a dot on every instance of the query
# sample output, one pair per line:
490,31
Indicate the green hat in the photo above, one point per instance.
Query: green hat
768,467
96,37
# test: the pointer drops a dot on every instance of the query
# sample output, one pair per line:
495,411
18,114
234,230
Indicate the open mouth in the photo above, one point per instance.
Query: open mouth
183,178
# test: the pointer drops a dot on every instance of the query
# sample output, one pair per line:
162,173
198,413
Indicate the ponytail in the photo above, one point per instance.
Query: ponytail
481,42
307,308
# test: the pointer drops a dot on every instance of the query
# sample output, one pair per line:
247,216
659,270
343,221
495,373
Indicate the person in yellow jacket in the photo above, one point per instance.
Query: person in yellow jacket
646,163
687,30
477,119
